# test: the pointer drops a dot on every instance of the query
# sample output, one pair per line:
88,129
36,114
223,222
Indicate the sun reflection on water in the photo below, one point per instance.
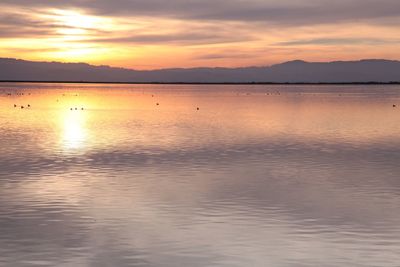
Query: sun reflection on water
74,131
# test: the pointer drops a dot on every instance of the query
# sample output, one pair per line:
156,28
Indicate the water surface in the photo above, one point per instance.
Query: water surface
168,175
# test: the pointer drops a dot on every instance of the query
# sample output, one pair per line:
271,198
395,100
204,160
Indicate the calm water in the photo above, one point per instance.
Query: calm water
258,176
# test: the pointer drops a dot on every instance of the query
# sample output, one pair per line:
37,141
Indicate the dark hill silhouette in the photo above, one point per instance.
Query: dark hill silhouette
363,71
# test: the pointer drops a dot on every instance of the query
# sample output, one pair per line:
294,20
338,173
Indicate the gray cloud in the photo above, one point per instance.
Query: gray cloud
10,32
14,25
286,12
175,38
231,54
340,41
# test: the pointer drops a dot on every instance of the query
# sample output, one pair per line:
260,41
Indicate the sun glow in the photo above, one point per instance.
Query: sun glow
74,32
73,19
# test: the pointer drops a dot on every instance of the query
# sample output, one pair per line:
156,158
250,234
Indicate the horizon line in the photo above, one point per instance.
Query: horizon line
209,83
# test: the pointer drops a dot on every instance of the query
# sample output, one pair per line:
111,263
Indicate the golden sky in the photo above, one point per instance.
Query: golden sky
156,34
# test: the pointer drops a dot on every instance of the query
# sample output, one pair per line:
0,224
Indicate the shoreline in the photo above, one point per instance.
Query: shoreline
206,83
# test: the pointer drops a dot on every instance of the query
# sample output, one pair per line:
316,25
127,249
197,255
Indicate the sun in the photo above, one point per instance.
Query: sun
73,19
74,24
74,31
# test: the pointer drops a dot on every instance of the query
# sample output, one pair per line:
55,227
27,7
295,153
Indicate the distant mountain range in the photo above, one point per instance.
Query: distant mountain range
363,71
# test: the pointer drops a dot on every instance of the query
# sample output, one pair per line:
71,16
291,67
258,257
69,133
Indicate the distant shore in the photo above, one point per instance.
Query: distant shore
211,83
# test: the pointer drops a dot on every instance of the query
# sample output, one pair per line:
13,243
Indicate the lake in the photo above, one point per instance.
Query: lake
199,175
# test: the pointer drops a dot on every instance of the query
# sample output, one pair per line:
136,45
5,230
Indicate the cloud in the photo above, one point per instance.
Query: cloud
233,55
294,12
10,32
339,41
181,38
15,25
255,15
26,25
226,32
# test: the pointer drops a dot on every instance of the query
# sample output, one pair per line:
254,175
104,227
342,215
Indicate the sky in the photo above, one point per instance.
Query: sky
153,34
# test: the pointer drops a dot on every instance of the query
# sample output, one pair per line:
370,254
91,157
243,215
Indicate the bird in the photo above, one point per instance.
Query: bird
15,106
29,105
158,104
198,108
394,105
22,107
